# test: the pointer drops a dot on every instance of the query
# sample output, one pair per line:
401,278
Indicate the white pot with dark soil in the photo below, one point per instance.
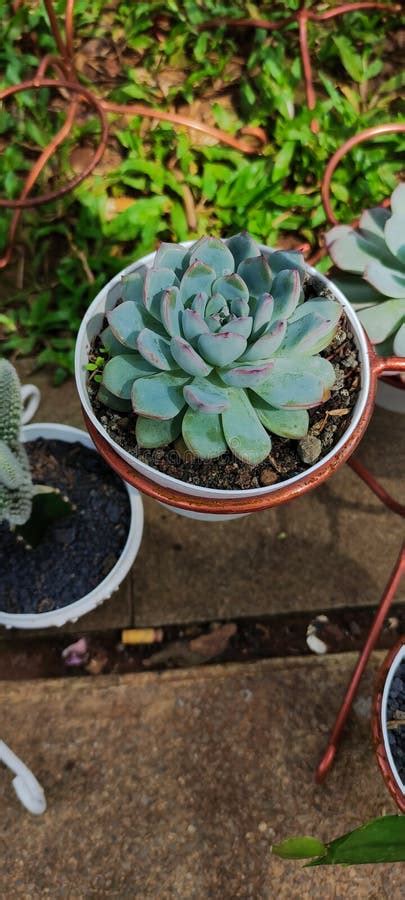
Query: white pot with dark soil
57,567
263,396
389,722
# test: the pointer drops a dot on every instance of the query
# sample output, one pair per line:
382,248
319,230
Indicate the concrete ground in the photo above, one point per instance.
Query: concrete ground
174,786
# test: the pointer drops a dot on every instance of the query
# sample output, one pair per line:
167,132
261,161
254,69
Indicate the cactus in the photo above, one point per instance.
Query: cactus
214,343
16,488
28,508
374,255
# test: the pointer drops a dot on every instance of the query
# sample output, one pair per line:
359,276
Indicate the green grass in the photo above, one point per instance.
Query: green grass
230,76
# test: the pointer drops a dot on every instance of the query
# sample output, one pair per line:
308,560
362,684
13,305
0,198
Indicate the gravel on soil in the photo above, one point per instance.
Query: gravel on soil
396,719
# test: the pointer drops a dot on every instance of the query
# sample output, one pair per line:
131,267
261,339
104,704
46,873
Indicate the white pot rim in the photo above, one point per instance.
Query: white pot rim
384,703
91,326
111,582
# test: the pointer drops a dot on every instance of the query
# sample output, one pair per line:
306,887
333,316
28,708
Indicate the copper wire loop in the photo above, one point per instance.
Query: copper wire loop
68,80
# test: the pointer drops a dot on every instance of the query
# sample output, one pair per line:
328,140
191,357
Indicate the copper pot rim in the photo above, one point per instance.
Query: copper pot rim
377,728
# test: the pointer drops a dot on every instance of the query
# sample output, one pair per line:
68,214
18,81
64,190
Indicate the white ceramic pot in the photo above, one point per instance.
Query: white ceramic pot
91,326
109,584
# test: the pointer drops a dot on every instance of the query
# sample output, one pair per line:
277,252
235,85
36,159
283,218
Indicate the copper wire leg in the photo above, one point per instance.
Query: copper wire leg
373,635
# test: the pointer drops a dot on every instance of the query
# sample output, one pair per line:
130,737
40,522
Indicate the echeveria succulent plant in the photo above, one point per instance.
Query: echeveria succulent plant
374,254
214,342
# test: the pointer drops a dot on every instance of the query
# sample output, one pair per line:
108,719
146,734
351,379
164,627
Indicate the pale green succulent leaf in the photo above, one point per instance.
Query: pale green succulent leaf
157,281
216,304
120,373
127,321
256,274
287,259
244,433
157,432
263,314
193,325
187,357
287,423
308,335
110,342
197,279
232,287
133,285
240,308
222,348
318,366
382,320
399,341
372,221
268,344
398,198
242,246
214,323
355,289
203,434
246,375
395,236
239,325
201,394
171,311
215,254
171,256
353,251
389,282
155,350
199,303
286,290
159,396
105,396
295,390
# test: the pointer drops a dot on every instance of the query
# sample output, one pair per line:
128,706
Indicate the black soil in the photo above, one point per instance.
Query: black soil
396,719
77,552
327,424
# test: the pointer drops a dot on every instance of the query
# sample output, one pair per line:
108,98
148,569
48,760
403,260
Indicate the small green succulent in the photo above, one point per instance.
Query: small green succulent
16,488
374,254
214,342
28,508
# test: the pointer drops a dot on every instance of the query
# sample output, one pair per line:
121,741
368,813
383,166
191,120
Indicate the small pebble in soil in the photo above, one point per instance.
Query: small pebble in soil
309,449
76,553
396,720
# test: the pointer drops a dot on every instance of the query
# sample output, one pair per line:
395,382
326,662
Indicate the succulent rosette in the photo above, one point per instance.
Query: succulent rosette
374,255
215,343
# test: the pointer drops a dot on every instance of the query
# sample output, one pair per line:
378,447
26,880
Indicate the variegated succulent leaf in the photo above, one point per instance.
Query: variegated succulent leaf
214,343
371,258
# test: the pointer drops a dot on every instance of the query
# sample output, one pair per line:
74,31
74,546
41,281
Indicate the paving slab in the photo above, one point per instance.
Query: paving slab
333,547
173,786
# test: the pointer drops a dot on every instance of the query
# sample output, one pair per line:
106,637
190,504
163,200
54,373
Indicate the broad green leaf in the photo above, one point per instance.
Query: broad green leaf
381,840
